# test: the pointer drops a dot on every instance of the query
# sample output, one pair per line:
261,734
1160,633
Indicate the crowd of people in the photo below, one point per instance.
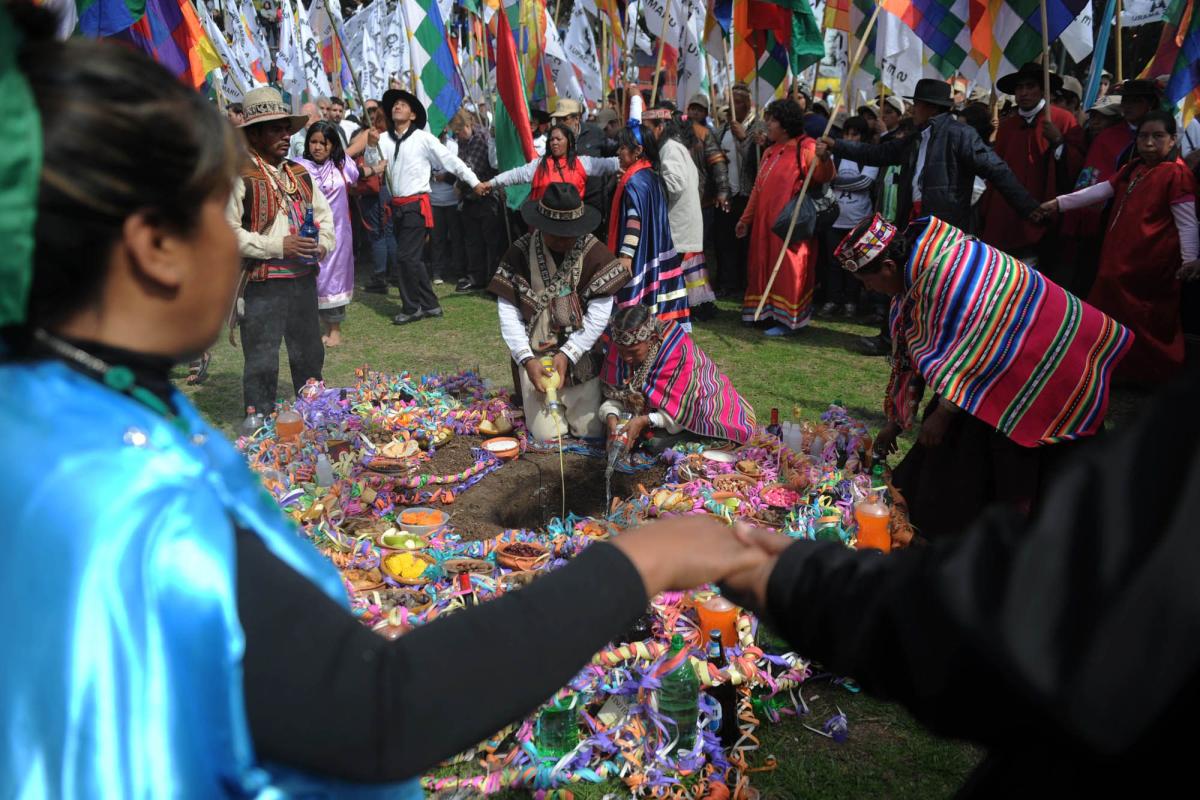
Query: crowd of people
194,645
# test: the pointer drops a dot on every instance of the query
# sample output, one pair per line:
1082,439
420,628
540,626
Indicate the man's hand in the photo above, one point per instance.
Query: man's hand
1046,211
824,148
885,442
723,203
612,422
741,229
684,552
1052,133
482,188
1190,271
738,130
933,429
562,365
372,137
537,375
300,247
321,252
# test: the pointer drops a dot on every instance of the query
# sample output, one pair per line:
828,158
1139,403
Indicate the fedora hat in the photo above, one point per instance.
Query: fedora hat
1028,72
265,104
418,108
934,91
1136,88
560,212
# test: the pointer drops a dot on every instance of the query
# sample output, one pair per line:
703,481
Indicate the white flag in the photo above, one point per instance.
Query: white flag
691,72
235,76
290,57
641,39
1142,12
395,45
1077,38
899,54
257,41
561,70
581,52
314,65
372,77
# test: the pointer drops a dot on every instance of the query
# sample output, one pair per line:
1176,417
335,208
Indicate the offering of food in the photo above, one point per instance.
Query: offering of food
521,555
407,567
780,497
400,448
393,539
720,456
749,468
363,580
500,425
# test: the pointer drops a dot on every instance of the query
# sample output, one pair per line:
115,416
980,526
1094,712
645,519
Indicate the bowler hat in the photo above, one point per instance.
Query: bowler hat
560,212
1028,72
418,108
933,91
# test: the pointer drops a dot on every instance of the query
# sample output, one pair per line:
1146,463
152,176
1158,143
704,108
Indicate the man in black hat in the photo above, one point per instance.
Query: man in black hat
1044,147
412,154
540,120
555,289
938,163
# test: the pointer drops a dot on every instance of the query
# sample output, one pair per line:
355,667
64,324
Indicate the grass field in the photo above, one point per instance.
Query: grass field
887,754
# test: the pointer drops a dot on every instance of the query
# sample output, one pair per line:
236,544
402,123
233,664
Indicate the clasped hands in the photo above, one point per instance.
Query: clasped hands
684,552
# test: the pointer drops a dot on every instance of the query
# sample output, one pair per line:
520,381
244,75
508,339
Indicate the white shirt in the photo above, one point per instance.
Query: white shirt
348,130
853,205
524,174
1189,140
440,192
296,144
921,151
512,329
409,166
658,419
729,145
269,245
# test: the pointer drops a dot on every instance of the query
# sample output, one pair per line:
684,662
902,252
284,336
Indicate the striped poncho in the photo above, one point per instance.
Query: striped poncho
1000,341
685,384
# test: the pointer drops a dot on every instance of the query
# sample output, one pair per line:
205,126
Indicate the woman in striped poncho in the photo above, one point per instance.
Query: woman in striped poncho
1018,367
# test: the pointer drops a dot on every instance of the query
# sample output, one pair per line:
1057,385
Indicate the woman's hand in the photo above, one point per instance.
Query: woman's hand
741,230
748,587
1047,210
482,188
684,552
626,264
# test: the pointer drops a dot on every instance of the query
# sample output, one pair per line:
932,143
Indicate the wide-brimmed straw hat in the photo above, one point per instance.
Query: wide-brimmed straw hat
560,212
420,116
265,104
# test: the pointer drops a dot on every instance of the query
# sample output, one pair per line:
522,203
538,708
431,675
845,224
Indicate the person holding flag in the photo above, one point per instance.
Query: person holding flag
412,154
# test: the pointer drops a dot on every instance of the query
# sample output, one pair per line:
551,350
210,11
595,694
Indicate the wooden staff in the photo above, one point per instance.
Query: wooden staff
412,59
1120,67
662,44
1046,60
732,74
812,166
342,49
603,62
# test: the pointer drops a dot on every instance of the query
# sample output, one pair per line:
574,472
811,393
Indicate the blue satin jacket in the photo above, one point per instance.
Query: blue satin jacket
120,645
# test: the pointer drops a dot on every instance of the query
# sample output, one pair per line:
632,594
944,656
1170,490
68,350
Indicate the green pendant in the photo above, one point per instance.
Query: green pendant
119,378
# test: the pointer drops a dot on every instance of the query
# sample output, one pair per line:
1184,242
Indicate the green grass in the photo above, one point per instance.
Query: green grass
888,754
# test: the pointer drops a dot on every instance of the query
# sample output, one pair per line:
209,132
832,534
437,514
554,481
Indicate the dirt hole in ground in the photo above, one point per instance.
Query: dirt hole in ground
527,493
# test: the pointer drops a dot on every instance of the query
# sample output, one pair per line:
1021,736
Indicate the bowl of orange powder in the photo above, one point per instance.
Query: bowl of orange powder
422,520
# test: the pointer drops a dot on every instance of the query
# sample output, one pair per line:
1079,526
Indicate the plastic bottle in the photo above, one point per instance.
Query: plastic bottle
308,230
558,728
252,423
872,516
288,425
725,694
878,483
324,473
678,697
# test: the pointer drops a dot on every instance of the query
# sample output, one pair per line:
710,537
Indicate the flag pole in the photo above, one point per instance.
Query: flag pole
662,44
812,166
412,59
1045,59
342,49
732,74
1120,66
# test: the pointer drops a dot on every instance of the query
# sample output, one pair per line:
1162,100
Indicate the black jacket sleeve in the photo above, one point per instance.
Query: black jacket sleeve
326,695
892,152
991,167
1083,625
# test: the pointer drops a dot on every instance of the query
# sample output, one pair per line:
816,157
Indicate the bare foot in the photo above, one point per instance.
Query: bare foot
334,339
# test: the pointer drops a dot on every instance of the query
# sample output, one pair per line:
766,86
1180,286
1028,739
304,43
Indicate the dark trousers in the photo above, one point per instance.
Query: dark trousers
416,290
731,251
446,243
280,309
838,286
484,237
380,237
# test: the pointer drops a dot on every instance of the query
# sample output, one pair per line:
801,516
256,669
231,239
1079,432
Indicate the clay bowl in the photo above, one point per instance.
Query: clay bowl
511,581
417,601
521,556
505,448
361,580
719,456
397,577
733,482
476,566
421,530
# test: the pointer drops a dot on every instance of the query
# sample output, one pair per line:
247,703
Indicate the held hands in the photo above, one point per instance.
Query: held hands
1046,212
482,188
301,247
684,552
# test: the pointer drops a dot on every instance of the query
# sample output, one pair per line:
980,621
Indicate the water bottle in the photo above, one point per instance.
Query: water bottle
324,474
252,422
725,694
558,728
879,486
309,229
678,699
